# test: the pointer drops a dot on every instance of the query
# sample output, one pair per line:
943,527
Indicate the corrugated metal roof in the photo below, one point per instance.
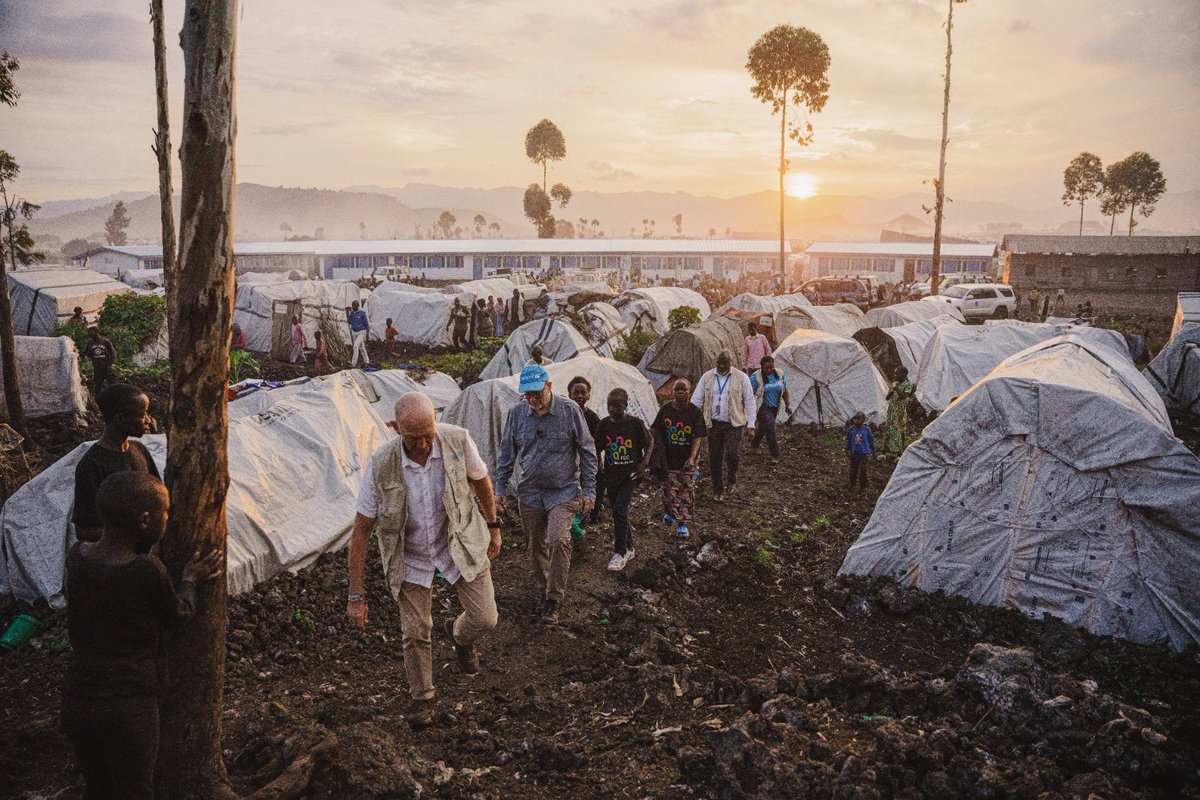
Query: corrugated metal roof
49,279
1101,245
136,250
900,249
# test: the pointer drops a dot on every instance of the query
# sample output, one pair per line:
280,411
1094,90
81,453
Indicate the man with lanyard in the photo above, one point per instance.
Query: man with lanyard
422,488
548,438
770,386
358,331
726,398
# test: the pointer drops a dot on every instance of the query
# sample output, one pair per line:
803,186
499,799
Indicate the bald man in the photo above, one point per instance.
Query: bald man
419,488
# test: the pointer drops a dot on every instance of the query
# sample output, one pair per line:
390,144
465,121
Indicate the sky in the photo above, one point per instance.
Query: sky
651,95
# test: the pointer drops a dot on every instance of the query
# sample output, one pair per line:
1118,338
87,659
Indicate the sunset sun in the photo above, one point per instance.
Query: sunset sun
800,184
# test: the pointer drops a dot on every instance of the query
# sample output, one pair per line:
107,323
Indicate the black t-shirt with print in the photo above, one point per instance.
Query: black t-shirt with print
676,429
622,444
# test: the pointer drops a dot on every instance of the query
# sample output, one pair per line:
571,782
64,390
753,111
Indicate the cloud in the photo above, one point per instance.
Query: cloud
1161,39
1021,26
885,139
33,32
290,129
607,172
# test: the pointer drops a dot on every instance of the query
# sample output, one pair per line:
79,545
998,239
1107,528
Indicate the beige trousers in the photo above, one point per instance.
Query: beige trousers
478,600
548,533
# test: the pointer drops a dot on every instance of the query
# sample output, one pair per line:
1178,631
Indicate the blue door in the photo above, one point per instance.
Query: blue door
477,267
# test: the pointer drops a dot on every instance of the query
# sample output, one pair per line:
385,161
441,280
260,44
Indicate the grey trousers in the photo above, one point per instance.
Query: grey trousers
548,533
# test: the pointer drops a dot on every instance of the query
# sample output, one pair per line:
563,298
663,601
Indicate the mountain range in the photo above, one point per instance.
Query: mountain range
266,213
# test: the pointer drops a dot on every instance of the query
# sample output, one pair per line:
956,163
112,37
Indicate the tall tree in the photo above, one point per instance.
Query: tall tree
115,225
1113,198
494,229
1083,178
480,221
189,764
1140,181
9,95
790,67
544,143
678,220
445,222
939,205
162,151
537,209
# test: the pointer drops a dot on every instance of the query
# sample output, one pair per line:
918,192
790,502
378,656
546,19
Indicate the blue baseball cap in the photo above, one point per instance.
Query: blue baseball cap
533,378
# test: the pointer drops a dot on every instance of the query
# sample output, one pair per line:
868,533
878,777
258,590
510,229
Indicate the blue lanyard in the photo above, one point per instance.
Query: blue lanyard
722,386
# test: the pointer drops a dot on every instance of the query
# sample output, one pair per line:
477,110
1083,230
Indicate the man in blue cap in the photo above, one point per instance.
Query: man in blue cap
548,438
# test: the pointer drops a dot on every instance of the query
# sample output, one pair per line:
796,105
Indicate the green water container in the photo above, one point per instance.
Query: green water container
23,628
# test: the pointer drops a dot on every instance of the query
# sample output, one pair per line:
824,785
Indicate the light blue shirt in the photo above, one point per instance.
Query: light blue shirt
776,384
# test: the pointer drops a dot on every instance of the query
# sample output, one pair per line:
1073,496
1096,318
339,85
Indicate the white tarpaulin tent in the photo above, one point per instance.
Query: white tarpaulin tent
603,327
1175,371
903,345
842,319
1054,486
42,297
143,278
558,337
421,318
48,369
830,379
648,309
294,466
763,304
380,387
911,311
319,300
501,288
960,355
483,407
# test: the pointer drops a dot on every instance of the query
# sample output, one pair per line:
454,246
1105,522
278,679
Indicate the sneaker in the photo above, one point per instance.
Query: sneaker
719,497
616,563
629,554
549,615
422,714
668,519
682,532
466,655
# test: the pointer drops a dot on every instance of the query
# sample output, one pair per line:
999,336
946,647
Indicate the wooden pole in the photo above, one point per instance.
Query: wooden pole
940,205
162,149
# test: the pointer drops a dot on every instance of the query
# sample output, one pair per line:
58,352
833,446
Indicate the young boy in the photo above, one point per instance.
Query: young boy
101,353
321,352
389,336
125,410
121,601
679,430
625,447
860,444
579,389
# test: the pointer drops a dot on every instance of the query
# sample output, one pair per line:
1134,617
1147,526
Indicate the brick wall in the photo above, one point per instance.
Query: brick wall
1149,273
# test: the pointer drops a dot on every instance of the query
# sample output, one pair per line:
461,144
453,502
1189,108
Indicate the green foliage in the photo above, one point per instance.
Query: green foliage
820,523
464,367
683,316
304,621
115,225
790,67
241,366
764,558
1138,182
73,330
635,346
545,142
75,246
131,321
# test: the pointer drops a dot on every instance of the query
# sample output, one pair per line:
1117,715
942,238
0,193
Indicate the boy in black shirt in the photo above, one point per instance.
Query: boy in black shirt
120,604
125,409
678,430
102,355
580,390
625,448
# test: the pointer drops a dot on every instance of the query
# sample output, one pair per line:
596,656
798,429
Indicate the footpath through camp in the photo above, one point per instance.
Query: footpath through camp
731,664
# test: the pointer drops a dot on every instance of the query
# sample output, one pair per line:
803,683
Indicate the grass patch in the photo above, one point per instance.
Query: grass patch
463,367
820,523
764,558
304,621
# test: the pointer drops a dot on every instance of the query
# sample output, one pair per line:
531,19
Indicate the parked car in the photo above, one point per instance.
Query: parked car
921,288
832,290
978,301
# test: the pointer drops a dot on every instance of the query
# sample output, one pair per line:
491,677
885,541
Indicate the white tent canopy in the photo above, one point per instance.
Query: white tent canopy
911,311
763,304
48,369
559,339
1187,312
603,327
319,300
42,297
1175,372
483,407
1053,486
842,319
830,378
911,340
295,465
500,288
420,318
958,356
648,309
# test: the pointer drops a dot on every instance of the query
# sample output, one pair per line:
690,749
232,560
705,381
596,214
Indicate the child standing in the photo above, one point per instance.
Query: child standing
121,603
679,430
625,449
860,443
321,356
299,340
389,336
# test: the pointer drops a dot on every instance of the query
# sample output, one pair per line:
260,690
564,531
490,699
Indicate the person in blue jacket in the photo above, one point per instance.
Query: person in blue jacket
860,444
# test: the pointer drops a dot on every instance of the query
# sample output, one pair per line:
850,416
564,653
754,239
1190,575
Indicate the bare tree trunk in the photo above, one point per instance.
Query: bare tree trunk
1132,206
940,205
190,764
1112,224
782,170
1081,218
162,149
8,341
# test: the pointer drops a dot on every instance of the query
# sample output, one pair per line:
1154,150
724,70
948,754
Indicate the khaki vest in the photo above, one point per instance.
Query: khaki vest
466,527
737,403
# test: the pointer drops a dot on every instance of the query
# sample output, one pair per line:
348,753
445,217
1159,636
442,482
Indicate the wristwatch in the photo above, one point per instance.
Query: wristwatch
356,597
494,525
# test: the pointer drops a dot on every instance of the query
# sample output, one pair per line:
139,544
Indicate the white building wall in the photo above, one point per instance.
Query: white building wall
109,263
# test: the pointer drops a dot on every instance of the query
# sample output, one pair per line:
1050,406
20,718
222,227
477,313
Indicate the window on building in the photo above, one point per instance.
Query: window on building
694,263
635,262
612,262
1131,273
924,266
674,262
860,264
491,263
884,264
1110,274
532,262
841,265
512,262
345,262
379,261
654,262
1160,273
418,262
437,262
570,262
591,262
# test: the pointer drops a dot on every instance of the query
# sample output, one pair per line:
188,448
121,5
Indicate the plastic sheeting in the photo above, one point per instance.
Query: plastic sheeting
830,379
1054,486
1175,372
903,345
144,278
842,319
295,466
328,300
483,407
763,304
560,341
692,351
40,298
958,356
910,311
1187,312
48,370
470,291
421,318
648,309
603,327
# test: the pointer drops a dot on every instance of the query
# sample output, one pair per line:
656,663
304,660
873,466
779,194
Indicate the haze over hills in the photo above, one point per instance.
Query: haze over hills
266,213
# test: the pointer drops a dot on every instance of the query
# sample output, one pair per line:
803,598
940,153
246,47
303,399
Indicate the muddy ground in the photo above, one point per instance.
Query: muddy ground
731,665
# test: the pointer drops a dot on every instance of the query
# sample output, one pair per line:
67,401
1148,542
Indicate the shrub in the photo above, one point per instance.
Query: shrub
73,330
635,346
682,317
131,321
241,366
463,367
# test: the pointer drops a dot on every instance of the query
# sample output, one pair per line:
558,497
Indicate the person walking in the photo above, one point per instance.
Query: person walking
625,447
299,340
547,437
501,313
755,348
579,389
860,444
101,353
1060,301
896,427
390,333
1033,298
726,398
678,431
320,351
515,310
359,327
459,318
429,491
770,387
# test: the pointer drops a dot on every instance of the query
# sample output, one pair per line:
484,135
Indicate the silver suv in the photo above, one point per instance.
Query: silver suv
979,301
